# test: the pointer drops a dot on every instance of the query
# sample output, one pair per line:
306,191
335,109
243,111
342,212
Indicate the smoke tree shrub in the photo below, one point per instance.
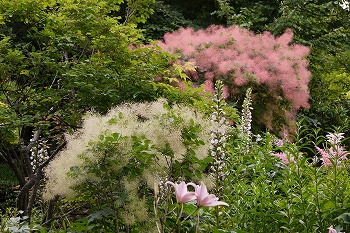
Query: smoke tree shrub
115,160
274,67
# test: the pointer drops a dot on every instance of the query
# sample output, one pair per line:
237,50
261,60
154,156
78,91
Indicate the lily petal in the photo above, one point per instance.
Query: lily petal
181,192
206,199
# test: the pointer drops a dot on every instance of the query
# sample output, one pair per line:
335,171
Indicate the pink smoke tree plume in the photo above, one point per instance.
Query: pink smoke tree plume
275,68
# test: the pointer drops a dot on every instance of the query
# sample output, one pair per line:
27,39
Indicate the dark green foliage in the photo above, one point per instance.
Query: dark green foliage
8,188
198,12
165,18
311,21
169,16
254,15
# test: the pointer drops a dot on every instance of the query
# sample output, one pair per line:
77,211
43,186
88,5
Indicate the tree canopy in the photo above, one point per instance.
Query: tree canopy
59,59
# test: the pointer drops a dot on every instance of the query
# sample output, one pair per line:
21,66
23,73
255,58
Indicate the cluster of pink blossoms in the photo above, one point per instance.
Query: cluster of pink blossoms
336,152
286,158
200,194
242,58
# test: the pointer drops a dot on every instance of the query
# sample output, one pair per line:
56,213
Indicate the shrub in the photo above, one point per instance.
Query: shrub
115,160
275,68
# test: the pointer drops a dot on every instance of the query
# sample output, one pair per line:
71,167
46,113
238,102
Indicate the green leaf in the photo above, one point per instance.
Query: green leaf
345,217
100,214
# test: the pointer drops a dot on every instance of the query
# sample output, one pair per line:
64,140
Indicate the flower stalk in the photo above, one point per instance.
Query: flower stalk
218,137
245,125
218,140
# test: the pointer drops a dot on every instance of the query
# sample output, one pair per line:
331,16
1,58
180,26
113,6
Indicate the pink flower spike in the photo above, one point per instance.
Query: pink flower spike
206,199
181,192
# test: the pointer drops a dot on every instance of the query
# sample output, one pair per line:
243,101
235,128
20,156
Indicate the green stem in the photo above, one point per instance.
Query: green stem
335,186
317,197
217,216
178,222
191,214
197,226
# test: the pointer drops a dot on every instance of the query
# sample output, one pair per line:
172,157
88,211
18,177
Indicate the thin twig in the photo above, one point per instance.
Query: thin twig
64,215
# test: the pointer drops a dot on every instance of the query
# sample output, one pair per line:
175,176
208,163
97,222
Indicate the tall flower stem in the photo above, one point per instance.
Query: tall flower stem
217,147
155,206
188,216
197,226
178,222
245,125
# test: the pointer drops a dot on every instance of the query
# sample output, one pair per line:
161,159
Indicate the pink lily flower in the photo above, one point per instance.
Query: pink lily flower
181,192
332,230
206,199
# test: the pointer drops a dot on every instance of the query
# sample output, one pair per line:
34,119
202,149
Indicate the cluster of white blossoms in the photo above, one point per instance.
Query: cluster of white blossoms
218,135
38,153
344,4
245,126
335,138
246,118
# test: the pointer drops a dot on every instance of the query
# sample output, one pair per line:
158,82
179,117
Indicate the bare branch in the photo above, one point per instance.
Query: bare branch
33,181
64,215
